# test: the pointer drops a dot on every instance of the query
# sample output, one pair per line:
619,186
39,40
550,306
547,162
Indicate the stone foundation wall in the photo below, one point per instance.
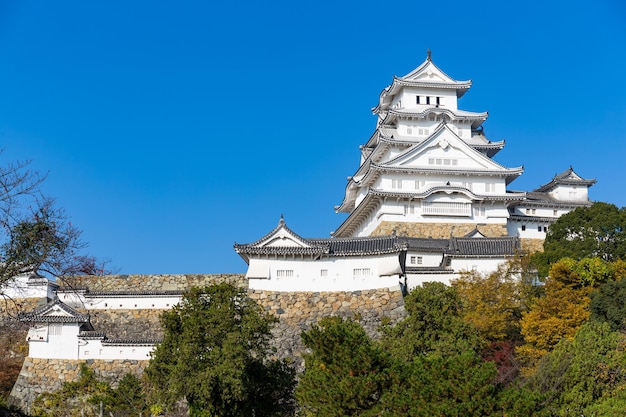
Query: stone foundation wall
438,230
128,324
47,375
532,245
13,345
297,312
170,282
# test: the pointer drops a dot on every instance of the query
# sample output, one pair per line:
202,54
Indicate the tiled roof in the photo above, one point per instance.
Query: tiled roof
91,335
540,198
471,247
425,244
504,172
447,188
567,177
523,218
40,316
360,246
85,292
112,294
329,246
430,270
279,250
126,342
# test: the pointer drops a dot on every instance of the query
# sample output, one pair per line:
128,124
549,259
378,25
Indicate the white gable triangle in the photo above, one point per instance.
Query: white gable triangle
281,236
444,150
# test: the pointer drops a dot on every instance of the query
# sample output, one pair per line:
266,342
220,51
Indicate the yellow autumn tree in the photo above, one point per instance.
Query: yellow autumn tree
563,308
493,303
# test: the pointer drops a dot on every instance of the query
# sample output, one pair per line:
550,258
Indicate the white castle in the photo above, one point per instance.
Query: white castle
426,203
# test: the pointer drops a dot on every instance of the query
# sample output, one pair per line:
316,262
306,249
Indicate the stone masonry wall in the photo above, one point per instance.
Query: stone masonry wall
13,345
297,312
532,245
128,324
438,230
47,375
169,282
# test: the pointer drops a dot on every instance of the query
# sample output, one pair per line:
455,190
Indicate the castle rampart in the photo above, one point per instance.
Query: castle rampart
296,311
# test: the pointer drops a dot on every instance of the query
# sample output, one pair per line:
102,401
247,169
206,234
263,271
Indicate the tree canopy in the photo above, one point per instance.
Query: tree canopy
598,231
346,372
215,355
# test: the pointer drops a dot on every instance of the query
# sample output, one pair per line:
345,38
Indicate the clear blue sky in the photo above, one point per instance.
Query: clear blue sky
170,130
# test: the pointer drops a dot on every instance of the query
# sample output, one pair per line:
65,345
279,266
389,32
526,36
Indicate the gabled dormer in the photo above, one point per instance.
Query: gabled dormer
54,330
567,186
281,241
425,86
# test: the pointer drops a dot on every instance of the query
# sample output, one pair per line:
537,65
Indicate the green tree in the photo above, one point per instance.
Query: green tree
607,304
584,373
434,324
459,384
598,231
215,355
437,368
345,373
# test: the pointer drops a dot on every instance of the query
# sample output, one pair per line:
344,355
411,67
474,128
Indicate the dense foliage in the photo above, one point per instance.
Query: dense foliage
215,355
428,364
598,231
92,396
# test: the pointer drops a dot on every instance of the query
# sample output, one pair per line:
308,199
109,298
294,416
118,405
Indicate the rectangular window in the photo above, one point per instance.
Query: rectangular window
438,208
527,211
417,99
396,184
479,211
323,272
409,130
523,227
490,187
419,260
413,260
534,211
284,273
438,102
409,209
361,272
555,212
545,229
55,329
427,100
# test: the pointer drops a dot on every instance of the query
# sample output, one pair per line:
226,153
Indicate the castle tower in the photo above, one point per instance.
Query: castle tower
427,170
